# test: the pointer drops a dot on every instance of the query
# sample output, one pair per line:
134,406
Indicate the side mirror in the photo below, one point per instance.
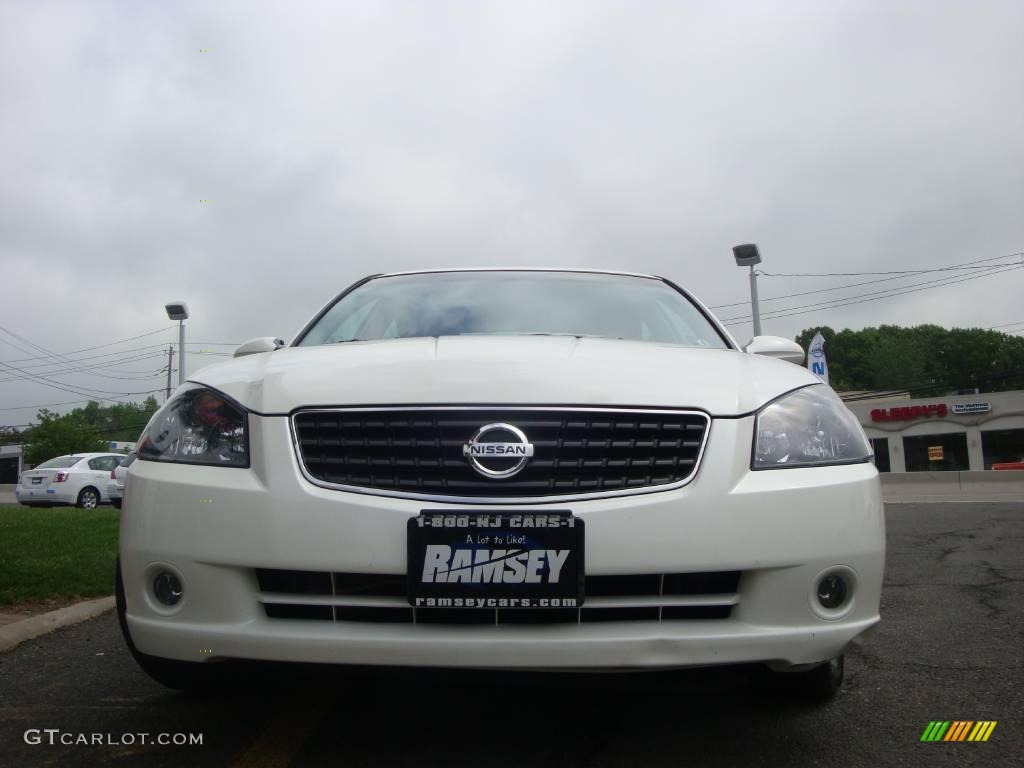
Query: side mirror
777,347
256,346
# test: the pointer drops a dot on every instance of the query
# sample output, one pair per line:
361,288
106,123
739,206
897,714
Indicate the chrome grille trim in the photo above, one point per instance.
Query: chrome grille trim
508,500
695,596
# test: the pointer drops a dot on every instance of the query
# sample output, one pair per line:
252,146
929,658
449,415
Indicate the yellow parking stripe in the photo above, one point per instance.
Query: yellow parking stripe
988,731
284,736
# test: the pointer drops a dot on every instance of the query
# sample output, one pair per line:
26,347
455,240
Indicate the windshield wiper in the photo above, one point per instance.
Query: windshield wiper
568,335
574,335
496,333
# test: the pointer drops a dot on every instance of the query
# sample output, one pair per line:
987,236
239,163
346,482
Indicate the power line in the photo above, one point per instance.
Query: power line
746,302
1003,325
91,357
876,296
890,272
63,359
128,375
953,267
74,389
907,275
99,346
93,429
54,405
57,358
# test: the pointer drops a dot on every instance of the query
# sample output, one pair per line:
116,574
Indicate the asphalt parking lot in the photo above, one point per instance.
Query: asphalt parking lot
950,647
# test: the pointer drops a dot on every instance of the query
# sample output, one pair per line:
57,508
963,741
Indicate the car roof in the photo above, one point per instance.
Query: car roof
586,270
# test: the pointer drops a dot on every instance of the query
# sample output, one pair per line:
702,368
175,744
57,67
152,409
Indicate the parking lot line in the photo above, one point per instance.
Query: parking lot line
285,735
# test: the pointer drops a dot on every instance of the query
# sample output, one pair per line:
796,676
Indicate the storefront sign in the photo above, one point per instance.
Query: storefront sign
909,412
934,453
963,408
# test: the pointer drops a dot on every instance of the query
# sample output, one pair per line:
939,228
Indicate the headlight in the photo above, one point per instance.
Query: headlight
198,426
806,428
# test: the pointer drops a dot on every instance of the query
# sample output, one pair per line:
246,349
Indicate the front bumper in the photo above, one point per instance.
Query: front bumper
214,526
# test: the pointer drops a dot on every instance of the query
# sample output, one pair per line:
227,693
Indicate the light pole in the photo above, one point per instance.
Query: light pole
747,255
178,310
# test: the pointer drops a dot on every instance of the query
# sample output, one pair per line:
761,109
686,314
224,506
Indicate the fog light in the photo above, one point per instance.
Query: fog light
167,588
832,591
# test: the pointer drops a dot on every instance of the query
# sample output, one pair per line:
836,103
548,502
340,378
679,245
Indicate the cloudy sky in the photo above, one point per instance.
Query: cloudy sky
336,140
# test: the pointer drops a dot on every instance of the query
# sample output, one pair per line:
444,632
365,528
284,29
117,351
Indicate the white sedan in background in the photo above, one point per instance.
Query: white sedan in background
80,479
504,469
115,487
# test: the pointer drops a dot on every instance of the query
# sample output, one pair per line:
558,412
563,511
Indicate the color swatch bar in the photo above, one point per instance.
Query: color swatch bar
958,730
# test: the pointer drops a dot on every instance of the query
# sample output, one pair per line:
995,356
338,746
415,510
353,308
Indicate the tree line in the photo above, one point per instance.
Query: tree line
928,360
83,430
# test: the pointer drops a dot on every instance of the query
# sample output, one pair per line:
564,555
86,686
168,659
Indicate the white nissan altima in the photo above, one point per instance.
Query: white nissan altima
514,469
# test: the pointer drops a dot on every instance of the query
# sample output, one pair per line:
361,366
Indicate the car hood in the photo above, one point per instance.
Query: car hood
506,370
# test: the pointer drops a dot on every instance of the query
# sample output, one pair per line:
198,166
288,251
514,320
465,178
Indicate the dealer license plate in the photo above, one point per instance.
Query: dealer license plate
495,560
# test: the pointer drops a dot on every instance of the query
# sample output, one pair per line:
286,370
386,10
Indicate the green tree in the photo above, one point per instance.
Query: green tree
928,359
57,435
120,421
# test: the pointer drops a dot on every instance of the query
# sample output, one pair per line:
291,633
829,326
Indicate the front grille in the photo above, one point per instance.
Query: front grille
577,452
363,597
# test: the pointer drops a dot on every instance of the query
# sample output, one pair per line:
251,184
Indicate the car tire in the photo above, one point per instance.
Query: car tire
116,503
192,677
815,686
88,498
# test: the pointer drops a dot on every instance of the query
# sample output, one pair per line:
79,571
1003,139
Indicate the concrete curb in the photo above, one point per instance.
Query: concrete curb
15,634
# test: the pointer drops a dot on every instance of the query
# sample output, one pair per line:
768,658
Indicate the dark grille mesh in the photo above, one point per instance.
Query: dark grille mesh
575,451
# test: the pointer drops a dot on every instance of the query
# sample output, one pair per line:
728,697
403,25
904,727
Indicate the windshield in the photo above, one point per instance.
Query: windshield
515,303
61,462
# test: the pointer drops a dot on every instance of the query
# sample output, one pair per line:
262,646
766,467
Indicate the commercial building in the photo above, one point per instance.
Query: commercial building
10,464
961,432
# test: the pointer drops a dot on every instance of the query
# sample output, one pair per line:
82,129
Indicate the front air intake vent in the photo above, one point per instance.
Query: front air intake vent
377,598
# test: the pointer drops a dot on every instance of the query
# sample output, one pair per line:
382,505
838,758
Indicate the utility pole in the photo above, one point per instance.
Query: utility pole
170,365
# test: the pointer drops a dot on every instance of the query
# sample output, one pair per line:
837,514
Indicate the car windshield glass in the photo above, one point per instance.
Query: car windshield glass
61,462
515,303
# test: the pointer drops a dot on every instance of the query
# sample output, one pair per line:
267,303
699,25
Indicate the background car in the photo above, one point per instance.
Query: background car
115,488
80,479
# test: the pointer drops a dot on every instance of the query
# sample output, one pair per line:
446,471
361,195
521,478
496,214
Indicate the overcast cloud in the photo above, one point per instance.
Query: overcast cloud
344,139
